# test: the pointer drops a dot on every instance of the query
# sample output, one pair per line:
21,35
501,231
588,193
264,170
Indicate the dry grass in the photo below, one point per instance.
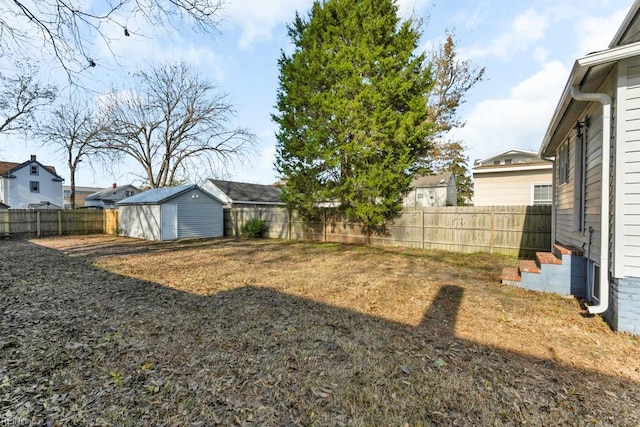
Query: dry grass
107,330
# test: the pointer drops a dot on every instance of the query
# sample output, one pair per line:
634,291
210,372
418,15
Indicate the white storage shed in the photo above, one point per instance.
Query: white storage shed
171,213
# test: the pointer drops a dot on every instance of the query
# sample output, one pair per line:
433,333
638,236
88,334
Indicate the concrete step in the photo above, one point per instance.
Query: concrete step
529,266
510,274
547,258
566,250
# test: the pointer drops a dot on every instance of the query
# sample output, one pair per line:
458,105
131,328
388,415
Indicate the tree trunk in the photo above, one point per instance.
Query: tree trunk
72,194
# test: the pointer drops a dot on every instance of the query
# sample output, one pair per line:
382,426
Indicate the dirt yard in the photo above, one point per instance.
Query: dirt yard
102,330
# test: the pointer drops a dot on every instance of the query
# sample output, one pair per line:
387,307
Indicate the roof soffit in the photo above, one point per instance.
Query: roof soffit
589,73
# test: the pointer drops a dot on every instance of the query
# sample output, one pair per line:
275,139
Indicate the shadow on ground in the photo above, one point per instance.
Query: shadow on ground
81,346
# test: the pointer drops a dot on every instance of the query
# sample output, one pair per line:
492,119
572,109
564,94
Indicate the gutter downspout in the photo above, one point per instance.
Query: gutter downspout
553,204
605,100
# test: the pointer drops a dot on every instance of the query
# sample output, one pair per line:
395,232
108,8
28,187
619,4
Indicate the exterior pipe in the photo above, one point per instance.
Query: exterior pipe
553,204
605,100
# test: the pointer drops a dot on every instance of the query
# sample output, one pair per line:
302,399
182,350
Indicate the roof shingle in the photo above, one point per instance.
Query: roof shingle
240,192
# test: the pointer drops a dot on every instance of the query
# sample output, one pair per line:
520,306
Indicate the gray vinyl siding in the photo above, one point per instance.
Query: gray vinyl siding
593,183
140,221
629,185
565,225
198,216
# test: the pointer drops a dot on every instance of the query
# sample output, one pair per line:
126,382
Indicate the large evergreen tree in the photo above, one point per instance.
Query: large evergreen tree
352,109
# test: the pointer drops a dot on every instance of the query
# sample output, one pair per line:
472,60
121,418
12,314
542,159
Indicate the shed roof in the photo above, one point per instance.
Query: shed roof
43,205
441,180
4,206
245,192
157,196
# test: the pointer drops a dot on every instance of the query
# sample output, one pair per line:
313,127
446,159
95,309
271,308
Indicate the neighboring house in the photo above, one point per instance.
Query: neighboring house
3,206
593,137
512,178
81,193
432,190
170,213
244,194
108,198
30,183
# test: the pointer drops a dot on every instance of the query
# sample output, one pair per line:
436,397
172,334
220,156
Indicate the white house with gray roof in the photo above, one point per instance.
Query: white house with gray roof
108,197
512,178
432,190
244,194
30,185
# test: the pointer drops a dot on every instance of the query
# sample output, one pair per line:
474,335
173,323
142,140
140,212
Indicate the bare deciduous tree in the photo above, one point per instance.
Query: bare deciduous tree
75,130
69,28
173,122
21,95
454,78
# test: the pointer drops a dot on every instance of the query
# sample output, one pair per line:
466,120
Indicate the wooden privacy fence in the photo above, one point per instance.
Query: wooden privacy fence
51,222
510,230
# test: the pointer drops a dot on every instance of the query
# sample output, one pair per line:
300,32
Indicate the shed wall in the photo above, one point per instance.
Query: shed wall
140,221
198,216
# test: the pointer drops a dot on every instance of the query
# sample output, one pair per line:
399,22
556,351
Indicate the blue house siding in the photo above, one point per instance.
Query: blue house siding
624,309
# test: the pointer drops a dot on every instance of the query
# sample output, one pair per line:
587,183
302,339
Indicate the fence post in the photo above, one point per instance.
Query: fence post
493,231
422,227
59,223
289,223
7,230
235,223
38,223
324,225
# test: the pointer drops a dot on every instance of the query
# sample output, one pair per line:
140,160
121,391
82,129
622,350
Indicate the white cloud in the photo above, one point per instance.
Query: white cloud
541,55
407,7
596,32
261,170
525,29
518,120
257,19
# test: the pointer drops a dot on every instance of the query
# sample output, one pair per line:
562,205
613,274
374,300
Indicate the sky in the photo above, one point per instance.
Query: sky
526,47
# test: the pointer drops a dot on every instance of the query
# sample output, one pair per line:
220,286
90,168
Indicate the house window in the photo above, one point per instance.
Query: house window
34,186
129,193
508,161
542,194
593,281
496,162
34,170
